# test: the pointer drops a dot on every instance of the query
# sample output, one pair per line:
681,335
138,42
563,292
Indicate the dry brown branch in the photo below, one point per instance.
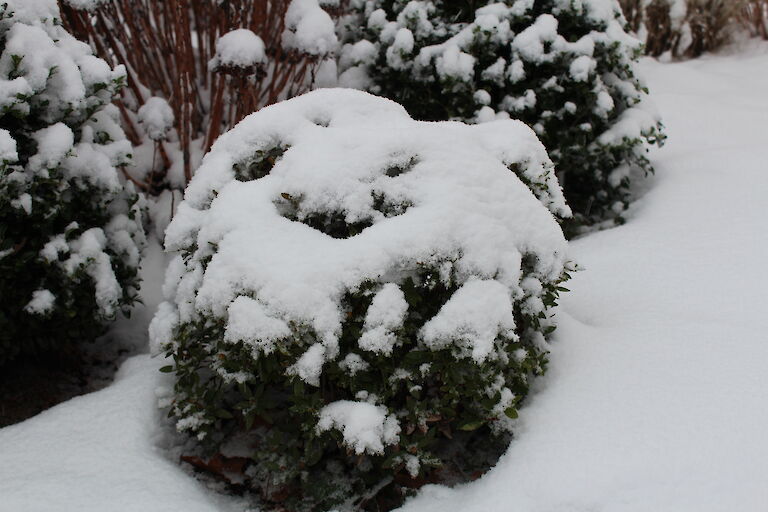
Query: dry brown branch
166,46
706,25
754,16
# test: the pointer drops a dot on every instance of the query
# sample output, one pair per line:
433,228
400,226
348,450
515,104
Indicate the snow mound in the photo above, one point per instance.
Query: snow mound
415,192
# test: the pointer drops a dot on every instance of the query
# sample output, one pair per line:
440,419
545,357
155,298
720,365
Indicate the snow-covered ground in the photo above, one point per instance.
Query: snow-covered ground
656,395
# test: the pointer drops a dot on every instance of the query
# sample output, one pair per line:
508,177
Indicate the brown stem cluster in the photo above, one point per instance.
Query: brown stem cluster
166,45
709,24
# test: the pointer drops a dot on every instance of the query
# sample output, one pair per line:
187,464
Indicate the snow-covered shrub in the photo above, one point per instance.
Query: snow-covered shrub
564,67
358,296
70,231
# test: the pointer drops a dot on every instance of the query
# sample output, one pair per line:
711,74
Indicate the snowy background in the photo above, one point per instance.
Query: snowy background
655,396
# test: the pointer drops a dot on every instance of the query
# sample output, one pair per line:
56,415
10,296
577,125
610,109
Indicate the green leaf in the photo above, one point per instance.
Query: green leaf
167,369
511,413
472,425
223,413
249,419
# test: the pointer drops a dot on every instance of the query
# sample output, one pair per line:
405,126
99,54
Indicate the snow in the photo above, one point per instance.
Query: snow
309,28
366,427
88,252
107,449
385,315
472,318
630,122
361,52
582,67
86,5
156,117
41,303
8,153
353,363
401,47
98,452
30,13
417,13
530,42
39,54
654,399
53,144
23,202
250,322
239,48
51,68
53,64
453,63
309,367
464,206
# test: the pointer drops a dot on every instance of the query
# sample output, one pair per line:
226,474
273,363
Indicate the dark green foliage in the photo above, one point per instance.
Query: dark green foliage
63,201
445,411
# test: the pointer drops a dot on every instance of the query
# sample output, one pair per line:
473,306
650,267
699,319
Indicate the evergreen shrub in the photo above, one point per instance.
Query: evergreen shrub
70,231
359,300
566,68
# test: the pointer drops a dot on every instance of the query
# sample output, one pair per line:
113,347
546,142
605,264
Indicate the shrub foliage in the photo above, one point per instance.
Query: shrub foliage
564,67
360,300
70,232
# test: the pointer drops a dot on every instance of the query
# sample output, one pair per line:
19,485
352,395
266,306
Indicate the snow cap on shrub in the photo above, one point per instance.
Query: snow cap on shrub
156,117
309,28
423,192
239,48
335,249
